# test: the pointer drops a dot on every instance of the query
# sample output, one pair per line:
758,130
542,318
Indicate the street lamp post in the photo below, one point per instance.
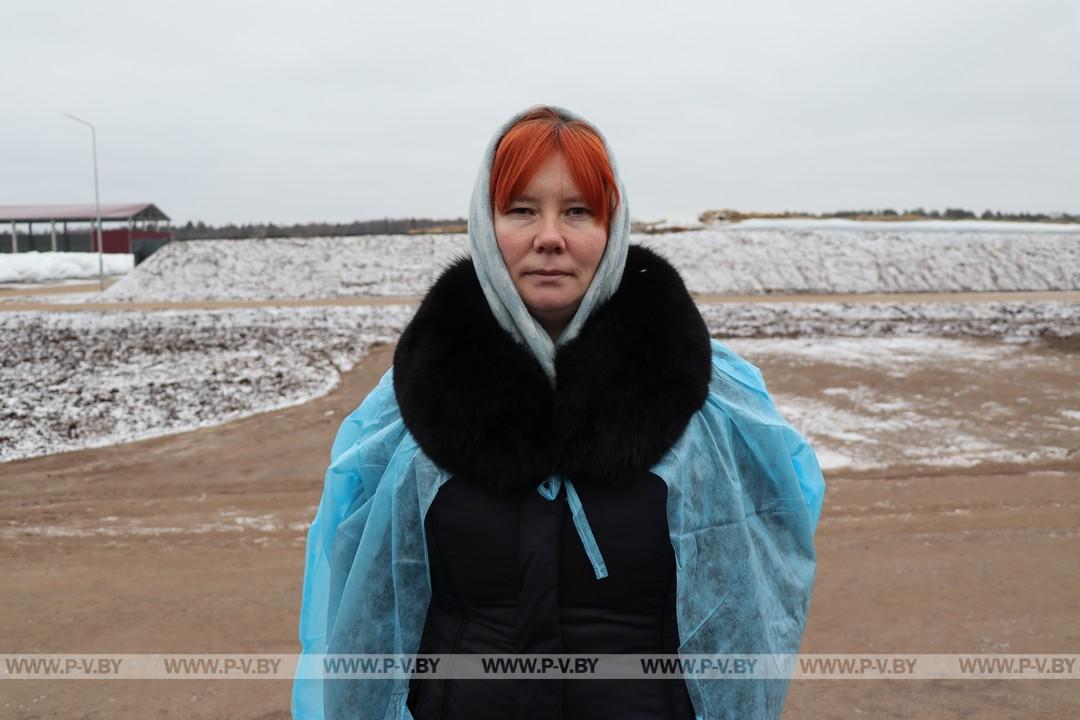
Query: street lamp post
97,201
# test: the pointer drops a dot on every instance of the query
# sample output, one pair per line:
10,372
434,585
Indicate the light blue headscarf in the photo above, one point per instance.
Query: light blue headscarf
506,304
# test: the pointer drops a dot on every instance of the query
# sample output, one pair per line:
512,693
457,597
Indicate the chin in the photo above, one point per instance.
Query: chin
560,313
550,304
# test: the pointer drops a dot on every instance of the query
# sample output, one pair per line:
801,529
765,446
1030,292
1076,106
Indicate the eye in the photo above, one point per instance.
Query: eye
580,211
519,211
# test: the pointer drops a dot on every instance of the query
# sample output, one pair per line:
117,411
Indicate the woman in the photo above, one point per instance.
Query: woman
559,461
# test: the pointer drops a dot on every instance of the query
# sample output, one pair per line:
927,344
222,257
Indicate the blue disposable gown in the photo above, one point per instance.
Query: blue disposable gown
744,495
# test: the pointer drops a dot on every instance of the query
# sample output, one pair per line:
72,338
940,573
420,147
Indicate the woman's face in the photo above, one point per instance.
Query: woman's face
551,243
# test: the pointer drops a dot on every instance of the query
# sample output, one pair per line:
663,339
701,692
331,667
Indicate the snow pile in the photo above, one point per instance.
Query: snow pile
755,257
31,267
87,379
373,265
831,260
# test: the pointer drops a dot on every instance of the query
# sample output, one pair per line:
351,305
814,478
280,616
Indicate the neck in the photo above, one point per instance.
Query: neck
554,331
555,324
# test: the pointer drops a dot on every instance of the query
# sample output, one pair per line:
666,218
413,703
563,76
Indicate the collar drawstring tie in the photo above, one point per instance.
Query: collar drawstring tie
549,489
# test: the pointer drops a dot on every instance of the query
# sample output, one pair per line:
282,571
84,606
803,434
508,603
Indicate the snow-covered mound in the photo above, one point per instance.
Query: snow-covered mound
88,379
835,260
761,257
289,268
33,267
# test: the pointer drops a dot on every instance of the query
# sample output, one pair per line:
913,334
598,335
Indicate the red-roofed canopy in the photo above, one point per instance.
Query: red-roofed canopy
80,213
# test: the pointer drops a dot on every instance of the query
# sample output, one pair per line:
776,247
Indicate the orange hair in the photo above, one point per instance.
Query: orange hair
533,139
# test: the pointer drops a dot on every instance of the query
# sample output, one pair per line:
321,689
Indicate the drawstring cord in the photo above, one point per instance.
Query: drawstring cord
549,489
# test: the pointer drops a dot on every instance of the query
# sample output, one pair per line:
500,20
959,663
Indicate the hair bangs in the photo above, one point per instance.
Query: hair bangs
532,140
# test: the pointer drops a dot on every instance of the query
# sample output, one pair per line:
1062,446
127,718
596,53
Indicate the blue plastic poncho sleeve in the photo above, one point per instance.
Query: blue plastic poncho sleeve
345,493
367,534
758,408
744,495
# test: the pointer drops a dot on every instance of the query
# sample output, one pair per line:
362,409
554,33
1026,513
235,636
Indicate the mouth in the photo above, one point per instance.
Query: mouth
547,273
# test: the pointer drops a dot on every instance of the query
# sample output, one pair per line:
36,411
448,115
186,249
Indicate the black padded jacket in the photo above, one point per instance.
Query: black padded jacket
509,573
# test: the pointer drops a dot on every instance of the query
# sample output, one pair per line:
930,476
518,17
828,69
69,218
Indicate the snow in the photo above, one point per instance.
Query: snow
867,422
226,521
787,260
1011,320
365,261
381,265
90,379
71,380
35,267
737,259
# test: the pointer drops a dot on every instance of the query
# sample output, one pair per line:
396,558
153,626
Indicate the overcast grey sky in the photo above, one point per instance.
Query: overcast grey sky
256,111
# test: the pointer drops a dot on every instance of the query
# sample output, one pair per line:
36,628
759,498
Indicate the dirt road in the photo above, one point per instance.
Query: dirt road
11,301
194,543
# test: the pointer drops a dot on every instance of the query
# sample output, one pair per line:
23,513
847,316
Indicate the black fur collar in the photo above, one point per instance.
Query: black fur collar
480,406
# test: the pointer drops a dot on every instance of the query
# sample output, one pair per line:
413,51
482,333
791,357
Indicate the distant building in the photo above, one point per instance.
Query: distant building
145,228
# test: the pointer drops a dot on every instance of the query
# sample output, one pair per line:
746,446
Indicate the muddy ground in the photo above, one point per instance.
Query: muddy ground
50,299
194,543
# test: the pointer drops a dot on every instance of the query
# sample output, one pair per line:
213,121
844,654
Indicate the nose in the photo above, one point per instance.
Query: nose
549,236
